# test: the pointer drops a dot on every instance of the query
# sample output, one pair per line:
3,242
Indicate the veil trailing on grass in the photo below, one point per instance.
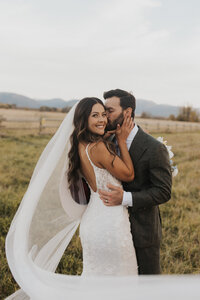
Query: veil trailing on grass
47,217
42,228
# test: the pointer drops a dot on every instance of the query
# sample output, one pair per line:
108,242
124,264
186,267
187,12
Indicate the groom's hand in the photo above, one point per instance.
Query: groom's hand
113,197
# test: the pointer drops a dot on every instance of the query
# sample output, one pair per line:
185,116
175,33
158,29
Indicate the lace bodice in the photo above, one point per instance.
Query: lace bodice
103,177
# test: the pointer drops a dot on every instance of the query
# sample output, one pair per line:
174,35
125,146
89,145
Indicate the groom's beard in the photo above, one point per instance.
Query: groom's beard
113,125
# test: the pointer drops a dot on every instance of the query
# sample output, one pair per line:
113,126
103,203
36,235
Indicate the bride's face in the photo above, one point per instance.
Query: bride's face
97,120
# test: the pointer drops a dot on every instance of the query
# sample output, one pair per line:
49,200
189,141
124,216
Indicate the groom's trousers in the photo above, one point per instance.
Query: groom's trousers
148,260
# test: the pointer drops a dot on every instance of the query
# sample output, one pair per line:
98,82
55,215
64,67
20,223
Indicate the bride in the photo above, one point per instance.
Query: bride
104,231
48,216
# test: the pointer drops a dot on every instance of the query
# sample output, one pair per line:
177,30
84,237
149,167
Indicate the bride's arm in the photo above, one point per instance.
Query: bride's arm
120,167
121,135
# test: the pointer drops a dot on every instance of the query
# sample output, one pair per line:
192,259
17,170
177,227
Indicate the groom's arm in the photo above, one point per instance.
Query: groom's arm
160,181
159,192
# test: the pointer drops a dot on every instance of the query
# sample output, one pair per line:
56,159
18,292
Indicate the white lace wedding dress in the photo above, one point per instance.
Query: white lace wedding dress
105,233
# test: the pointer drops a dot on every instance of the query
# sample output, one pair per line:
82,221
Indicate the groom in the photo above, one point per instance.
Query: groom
150,187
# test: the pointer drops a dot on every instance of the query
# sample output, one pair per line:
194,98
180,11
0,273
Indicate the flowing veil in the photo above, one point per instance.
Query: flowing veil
47,217
42,228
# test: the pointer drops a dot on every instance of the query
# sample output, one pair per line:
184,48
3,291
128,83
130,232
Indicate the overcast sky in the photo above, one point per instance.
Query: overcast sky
78,48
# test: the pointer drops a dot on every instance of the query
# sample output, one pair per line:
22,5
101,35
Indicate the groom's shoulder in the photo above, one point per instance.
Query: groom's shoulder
149,140
147,137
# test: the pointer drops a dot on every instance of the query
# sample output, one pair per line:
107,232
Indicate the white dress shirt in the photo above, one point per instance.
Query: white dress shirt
127,196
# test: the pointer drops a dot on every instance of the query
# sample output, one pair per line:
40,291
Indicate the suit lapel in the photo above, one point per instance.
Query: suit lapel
138,146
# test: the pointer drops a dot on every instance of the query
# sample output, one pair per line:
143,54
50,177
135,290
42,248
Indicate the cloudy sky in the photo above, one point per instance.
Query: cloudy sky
77,48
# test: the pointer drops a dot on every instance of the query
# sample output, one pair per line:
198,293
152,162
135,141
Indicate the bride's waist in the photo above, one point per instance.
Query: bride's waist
104,188
96,202
94,196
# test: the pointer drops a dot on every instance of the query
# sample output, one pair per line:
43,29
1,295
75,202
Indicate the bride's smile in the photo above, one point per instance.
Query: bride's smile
97,120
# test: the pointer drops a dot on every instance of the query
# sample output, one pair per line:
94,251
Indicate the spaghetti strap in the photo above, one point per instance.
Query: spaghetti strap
93,165
86,150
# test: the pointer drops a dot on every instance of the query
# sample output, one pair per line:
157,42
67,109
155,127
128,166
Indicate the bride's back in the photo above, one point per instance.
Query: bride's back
96,176
86,167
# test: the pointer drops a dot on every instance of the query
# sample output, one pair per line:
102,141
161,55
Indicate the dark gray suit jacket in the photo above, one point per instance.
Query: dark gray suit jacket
150,187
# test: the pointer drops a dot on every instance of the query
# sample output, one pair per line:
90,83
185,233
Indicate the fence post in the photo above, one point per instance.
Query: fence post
41,124
1,120
167,128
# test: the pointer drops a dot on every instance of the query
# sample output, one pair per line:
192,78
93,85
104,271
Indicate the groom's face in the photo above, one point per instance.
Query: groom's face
115,112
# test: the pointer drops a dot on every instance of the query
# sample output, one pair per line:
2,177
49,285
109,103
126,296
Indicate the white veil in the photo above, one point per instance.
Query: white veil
43,226
47,217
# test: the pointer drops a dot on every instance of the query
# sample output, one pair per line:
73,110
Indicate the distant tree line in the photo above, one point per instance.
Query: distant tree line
42,108
55,109
6,105
187,114
146,115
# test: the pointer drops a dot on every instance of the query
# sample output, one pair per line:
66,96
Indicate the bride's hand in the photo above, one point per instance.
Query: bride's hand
109,133
122,132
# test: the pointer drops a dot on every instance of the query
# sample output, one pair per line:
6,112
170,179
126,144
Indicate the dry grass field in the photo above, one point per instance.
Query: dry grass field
180,252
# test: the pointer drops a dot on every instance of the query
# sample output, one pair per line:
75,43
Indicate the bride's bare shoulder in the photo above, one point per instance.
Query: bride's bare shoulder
98,147
100,151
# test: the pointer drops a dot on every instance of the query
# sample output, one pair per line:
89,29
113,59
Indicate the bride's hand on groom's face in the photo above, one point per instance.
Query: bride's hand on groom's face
113,197
108,134
123,131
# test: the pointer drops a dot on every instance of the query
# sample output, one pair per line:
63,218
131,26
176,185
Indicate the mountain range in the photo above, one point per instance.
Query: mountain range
149,107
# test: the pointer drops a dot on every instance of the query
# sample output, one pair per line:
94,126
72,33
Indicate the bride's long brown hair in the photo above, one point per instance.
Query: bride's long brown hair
82,134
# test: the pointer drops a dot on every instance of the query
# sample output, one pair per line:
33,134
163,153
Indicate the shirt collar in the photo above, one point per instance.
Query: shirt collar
133,133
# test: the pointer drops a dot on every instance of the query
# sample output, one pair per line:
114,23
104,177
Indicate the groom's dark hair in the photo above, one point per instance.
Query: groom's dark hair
126,99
